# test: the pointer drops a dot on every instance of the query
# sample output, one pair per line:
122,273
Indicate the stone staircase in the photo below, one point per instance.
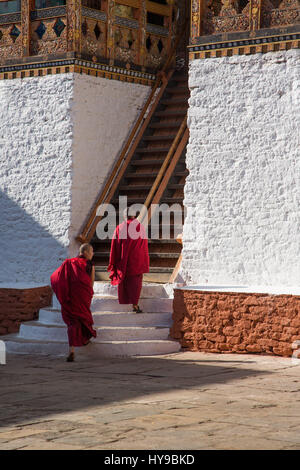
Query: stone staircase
120,331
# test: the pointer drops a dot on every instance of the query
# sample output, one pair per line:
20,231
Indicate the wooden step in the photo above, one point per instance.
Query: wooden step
180,78
157,138
173,112
130,200
153,175
141,175
170,101
172,200
177,89
165,125
106,254
136,187
152,149
181,173
175,186
147,162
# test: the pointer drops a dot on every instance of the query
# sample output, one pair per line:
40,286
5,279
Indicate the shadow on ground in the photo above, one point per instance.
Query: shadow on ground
35,387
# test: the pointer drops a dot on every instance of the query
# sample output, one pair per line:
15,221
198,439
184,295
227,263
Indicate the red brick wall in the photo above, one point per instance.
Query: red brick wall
18,305
236,322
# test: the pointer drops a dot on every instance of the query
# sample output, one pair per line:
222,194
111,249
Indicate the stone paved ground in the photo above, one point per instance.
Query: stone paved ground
181,401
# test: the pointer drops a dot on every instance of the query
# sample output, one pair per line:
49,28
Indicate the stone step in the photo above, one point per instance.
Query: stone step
52,332
156,274
105,289
132,333
159,305
148,290
54,318
16,345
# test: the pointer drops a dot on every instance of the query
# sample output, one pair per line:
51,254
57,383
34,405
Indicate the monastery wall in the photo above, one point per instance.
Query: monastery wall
242,194
59,137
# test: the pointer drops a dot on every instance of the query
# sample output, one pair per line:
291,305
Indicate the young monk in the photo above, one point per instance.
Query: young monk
129,259
72,284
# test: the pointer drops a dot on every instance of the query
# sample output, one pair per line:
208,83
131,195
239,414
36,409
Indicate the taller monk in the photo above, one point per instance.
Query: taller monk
129,260
72,284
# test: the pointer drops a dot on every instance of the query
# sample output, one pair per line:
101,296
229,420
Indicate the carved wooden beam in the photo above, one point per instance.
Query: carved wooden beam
26,7
73,25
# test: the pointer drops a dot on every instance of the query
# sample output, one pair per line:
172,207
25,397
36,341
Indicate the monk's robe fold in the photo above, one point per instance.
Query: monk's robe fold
129,260
72,286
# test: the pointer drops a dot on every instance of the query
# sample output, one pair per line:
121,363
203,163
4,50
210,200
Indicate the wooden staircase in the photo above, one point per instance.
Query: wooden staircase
156,173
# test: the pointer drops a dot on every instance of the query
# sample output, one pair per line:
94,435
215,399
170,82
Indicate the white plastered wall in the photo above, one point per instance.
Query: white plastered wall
243,193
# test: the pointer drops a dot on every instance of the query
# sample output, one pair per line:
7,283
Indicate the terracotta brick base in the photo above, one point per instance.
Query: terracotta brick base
236,322
19,305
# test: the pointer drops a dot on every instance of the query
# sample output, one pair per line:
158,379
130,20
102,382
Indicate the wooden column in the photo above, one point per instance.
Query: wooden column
197,13
142,32
254,15
73,25
110,45
26,7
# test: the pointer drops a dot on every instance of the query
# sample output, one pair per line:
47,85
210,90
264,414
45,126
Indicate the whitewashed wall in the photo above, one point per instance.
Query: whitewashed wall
243,191
36,134
59,136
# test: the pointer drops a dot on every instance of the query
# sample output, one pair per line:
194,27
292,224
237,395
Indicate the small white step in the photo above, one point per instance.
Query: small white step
131,334
101,304
43,332
54,317
16,345
131,319
130,348
149,290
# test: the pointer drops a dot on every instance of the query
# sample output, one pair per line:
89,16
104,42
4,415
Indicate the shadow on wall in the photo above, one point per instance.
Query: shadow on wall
30,252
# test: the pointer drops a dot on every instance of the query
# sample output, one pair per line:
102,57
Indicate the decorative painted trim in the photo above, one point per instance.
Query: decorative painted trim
127,22
159,30
10,18
96,14
75,66
48,13
242,46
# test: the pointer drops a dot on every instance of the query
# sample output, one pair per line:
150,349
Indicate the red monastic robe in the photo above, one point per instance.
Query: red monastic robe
129,259
72,286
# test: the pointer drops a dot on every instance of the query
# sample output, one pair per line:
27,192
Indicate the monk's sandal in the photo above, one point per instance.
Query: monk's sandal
71,357
137,310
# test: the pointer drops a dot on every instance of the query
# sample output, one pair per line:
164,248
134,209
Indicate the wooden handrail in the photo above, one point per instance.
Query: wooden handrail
169,172
162,170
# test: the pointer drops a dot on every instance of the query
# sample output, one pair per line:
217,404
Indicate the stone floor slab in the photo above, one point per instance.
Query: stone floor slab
179,401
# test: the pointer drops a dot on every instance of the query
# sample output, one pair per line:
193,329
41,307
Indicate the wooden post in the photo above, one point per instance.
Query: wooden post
197,11
254,15
74,25
26,7
142,32
110,44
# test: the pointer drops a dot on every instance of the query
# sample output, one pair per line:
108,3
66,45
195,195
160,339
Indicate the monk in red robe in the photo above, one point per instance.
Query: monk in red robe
129,259
72,284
